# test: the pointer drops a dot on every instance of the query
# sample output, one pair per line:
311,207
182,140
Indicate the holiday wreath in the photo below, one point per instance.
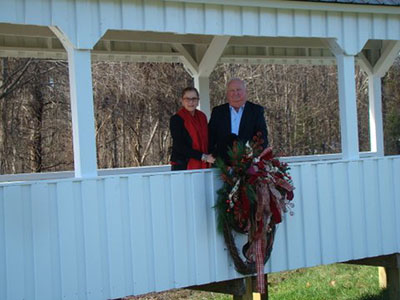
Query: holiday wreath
257,190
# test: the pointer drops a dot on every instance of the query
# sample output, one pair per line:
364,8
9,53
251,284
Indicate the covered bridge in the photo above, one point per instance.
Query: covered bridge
101,234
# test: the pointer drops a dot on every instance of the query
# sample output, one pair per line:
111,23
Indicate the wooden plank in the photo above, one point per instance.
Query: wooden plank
210,195
364,22
326,213
232,20
174,17
356,205
379,26
132,14
396,191
268,22
115,238
285,16
372,213
199,213
310,216
387,207
194,18
3,262
251,18
213,19
139,230
14,242
126,233
160,233
301,23
295,226
68,239
318,23
94,268
179,229
41,241
341,199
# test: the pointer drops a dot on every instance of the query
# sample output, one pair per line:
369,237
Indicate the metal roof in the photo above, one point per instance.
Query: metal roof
374,2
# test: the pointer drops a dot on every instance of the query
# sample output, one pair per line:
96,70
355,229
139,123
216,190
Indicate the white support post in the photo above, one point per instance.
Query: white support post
83,130
375,114
203,86
348,106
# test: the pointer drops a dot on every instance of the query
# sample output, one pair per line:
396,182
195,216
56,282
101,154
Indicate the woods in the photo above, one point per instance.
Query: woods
134,101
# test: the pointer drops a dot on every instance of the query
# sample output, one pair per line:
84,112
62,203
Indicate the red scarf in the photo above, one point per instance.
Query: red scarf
197,127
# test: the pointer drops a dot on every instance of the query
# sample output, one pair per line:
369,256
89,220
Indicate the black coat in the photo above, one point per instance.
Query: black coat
182,149
219,127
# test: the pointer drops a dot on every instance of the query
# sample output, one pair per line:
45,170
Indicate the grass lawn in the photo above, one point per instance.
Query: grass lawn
333,282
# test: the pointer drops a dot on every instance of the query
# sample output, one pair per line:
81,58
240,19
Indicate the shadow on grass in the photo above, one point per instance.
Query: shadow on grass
383,295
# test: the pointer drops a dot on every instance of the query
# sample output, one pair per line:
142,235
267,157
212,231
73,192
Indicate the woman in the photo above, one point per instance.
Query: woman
189,135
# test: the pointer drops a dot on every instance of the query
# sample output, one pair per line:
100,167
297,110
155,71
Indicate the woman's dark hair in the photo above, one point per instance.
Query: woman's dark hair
189,89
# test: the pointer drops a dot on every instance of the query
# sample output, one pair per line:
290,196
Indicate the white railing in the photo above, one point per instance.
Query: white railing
161,168
118,235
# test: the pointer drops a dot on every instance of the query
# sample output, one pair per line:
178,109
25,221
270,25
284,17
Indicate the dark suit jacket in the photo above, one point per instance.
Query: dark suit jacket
182,149
219,127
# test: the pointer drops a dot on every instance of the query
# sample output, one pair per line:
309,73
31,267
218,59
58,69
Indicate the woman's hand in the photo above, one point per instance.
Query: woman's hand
208,158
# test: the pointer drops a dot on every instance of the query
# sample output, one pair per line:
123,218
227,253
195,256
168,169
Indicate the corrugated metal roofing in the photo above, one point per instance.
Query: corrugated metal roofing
375,2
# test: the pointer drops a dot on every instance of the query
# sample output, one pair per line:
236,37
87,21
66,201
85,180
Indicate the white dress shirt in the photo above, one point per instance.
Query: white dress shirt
236,116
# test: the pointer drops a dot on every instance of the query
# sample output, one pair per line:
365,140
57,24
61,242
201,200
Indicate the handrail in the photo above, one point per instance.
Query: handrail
162,168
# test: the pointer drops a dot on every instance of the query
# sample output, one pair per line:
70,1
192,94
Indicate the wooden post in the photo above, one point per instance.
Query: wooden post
375,114
202,83
348,106
83,131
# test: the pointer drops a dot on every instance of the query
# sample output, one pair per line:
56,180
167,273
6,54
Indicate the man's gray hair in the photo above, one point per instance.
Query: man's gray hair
236,79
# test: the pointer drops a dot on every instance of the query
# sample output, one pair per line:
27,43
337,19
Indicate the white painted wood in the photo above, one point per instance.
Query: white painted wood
347,106
13,242
390,53
187,59
115,238
83,131
343,223
212,55
133,234
295,226
387,207
161,237
372,212
203,86
138,231
179,230
375,114
68,239
327,214
310,216
357,206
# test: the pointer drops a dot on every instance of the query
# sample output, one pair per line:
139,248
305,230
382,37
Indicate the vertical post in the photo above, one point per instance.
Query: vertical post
202,83
375,114
83,131
348,106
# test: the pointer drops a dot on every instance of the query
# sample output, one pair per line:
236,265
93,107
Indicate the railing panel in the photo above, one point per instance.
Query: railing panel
110,237
341,200
372,210
310,215
387,207
68,239
327,214
357,207
295,226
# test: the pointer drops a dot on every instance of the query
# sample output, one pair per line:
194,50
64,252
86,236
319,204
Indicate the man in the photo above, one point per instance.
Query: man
237,118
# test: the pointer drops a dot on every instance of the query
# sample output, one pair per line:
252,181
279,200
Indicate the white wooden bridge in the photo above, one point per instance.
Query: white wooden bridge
104,234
